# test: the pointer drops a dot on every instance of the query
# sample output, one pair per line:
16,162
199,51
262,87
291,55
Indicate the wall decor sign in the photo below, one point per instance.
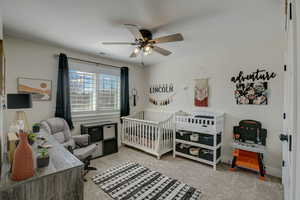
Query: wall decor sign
258,75
162,88
161,94
252,88
201,92
40,89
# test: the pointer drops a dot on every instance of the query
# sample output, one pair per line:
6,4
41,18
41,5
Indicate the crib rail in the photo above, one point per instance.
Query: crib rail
140,132
138,115
166,127
153,137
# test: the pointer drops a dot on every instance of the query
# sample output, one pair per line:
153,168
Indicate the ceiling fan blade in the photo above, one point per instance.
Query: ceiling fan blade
161,51
169,38
134,54
119,43
134,30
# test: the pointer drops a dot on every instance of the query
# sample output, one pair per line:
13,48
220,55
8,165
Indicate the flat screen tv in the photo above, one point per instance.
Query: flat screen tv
19,101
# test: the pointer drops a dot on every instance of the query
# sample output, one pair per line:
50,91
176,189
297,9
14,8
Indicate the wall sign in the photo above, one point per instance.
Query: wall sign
162,88
161,94
258,75
252,88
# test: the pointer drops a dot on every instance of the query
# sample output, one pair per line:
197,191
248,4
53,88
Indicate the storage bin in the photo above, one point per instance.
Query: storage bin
208,154
183,148
209,139
183,135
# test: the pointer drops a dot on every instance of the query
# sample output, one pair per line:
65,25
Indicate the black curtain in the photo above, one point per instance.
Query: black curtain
124,104
63,107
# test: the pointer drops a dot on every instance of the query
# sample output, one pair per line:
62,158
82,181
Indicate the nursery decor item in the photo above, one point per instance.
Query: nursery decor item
43,158
259,75
252,88
160,94
201,92
134,96
252,93
40,89
22,167
134,181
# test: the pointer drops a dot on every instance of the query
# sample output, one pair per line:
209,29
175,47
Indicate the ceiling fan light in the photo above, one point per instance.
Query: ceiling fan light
148,48
137,50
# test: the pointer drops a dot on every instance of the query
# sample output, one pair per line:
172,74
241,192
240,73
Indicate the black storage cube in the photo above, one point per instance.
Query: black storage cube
209,139
95,132
110,146
185,136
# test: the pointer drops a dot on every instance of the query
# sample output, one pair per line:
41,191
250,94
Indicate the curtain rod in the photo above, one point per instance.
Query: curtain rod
88,61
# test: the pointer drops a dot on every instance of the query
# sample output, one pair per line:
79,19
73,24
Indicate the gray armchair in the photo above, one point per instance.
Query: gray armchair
79,145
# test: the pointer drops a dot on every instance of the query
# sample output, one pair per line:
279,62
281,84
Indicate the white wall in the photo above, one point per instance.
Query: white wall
227,45
36,60
2,144
1,26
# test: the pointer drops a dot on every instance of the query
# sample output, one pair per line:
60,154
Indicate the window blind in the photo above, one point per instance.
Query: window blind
94,90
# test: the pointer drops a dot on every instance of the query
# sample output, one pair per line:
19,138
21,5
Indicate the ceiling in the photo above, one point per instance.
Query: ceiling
83,25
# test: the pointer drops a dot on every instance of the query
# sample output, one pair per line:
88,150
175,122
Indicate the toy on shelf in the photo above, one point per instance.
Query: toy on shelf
249,147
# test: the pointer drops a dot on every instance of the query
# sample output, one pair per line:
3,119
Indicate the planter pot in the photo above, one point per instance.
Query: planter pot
42,162
31,142
35,129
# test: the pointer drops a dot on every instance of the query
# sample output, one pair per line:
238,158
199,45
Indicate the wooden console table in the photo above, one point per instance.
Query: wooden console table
61,180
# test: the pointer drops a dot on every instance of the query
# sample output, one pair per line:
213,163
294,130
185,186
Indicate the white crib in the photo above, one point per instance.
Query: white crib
153,137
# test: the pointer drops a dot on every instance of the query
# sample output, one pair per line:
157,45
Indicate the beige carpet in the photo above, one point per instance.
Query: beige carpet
215,185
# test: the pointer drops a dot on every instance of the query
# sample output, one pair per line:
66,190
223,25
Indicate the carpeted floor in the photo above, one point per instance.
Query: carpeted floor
215,185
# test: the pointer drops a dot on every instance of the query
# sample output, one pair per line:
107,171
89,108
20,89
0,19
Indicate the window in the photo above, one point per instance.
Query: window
108,92
93,89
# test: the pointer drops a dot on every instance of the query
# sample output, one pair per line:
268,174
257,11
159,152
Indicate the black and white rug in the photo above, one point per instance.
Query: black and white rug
132,181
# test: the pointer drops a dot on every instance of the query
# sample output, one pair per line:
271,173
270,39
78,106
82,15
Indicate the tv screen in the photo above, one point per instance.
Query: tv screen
19,101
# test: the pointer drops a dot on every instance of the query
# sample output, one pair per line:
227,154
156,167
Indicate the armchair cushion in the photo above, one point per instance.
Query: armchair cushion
60,137
82,140
85,152
69,144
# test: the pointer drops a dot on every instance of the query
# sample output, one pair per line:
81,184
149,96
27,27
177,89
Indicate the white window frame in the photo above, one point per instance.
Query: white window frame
98,69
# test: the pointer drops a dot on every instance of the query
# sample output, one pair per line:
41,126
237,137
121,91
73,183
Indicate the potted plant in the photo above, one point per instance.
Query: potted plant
31,138
43,158
36,127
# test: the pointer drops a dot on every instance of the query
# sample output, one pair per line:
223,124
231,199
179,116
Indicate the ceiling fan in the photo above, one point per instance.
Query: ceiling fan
144,42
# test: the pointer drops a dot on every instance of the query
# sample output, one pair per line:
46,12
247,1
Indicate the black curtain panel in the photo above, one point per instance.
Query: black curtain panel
63,107
124,104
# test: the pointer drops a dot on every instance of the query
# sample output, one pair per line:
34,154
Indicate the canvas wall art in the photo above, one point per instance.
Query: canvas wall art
40,89
252,93
201,92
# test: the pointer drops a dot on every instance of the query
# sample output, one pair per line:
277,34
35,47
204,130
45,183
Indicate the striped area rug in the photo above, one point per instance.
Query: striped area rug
132,181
